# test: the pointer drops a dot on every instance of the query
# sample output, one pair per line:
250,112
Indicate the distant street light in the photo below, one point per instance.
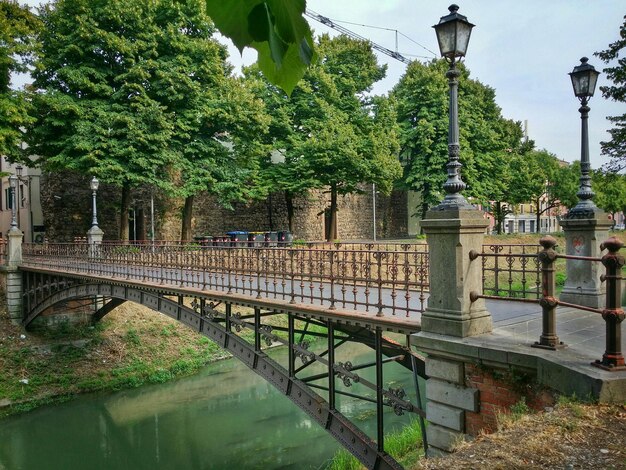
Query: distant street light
94,188
13,184
584,78
453,33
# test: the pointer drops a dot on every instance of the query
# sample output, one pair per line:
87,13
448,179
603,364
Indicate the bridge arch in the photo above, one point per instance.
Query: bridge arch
222,328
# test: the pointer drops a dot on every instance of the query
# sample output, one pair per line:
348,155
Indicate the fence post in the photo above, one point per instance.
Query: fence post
94,241
451,235
582,238
548,302
613,315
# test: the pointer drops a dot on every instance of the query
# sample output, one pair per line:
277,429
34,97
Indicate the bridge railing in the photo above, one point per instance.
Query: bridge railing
380,278
545,260
511,271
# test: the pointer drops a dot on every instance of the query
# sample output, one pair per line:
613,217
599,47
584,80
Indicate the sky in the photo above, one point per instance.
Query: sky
522,49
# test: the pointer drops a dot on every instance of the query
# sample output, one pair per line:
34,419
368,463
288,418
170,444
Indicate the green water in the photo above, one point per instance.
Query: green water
226,417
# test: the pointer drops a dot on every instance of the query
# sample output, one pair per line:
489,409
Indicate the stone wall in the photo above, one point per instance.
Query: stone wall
465,399
354,216
66,202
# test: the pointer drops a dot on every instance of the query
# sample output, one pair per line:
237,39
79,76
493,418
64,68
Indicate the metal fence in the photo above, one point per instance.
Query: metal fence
511,271
517,265
387,279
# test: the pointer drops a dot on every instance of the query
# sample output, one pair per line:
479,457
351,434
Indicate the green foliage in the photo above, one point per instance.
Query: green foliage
132,337
520,408
139,93
610,189
18,27
126,250
616,72
488,141
330,133
160,376
275,28
404,446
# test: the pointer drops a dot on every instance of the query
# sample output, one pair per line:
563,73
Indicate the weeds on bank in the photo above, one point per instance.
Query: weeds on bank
405,446
124,350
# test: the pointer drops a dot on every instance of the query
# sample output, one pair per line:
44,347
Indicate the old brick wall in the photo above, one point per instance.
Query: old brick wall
499,391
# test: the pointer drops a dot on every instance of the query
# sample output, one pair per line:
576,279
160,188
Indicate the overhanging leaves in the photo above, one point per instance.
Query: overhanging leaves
275,28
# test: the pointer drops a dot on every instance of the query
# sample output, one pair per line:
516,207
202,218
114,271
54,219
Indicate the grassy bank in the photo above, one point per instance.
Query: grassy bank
405,446
130,347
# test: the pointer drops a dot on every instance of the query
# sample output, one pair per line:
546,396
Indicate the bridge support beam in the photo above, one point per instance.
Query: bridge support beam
583,238
451,235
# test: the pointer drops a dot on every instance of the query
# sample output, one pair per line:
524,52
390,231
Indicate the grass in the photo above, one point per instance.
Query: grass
405,446
130,347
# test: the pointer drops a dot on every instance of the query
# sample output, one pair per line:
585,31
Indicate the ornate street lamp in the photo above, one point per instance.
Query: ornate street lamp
94,188
584,78
453,33
13,184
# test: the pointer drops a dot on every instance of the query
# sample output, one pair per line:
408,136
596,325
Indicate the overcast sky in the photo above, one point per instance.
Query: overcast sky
523,49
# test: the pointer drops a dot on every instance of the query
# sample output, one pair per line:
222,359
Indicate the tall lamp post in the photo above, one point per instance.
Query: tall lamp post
584,78
585,225
453,34
94,188
94,234
13,185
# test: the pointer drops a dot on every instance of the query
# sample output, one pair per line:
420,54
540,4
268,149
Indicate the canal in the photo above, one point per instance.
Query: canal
225,417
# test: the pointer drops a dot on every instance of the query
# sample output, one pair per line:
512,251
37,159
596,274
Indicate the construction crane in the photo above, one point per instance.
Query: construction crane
331,24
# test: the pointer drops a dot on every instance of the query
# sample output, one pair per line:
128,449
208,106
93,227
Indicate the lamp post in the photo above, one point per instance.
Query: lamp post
584,78
13,184
453,33
94,188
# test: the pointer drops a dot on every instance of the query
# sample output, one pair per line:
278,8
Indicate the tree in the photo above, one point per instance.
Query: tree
616,147
17,48
98,108
610,189
332,134
215,119
545,182
486,138
137,93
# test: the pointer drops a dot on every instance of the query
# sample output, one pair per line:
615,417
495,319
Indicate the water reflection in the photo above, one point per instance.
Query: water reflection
226,417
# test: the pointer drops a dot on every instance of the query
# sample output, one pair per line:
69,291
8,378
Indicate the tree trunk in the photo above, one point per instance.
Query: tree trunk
499,217
538,216
185,232
125,207
289,204
332,231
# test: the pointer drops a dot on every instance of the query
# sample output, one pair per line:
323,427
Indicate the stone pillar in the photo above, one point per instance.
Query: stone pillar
14,286
583,238
94,240
448,401
14,254
451,235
